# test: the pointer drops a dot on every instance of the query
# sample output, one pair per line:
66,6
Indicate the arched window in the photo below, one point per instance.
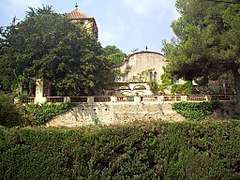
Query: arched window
155,75
151,76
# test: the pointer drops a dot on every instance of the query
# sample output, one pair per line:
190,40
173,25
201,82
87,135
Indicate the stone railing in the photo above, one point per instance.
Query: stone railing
165,98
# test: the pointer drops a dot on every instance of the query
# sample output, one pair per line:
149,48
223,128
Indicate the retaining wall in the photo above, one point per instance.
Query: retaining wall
107,113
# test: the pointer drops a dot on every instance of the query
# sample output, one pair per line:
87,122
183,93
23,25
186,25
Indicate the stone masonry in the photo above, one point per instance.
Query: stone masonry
107,113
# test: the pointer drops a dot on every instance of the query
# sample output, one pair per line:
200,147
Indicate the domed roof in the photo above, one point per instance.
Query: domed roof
76,14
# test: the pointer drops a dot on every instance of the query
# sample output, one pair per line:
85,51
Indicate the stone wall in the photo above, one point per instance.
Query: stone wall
107,113
139,62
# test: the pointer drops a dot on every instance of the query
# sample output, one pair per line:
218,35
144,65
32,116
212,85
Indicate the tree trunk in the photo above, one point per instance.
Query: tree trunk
236,76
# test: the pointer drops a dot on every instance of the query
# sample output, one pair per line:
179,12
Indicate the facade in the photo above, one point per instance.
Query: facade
137,70
142,66
84,21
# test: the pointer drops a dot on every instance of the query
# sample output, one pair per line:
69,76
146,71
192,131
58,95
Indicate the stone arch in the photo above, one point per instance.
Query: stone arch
124,87
139,87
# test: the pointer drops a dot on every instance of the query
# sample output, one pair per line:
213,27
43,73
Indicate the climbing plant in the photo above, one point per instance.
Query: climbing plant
196,110
154,87
142,76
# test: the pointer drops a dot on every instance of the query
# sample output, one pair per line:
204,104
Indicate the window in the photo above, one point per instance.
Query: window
151,76
155,76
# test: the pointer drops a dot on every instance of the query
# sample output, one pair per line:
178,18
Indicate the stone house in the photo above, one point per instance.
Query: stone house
82,20
137,70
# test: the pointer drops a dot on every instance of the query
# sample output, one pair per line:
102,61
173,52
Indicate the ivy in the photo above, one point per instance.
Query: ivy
196,110
142,76
153,87
40,114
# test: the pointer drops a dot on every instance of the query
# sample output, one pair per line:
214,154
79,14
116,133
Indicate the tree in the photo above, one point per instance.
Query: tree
47,45
114,55
207,42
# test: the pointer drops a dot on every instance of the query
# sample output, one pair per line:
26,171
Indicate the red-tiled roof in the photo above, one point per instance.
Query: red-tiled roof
76,14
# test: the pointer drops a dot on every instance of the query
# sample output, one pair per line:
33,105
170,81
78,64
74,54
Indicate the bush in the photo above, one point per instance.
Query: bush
196,110
186,88
40,114
160,150
153,87
9,115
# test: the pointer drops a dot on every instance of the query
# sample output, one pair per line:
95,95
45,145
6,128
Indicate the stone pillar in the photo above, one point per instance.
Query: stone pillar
137,99
20,87
208,97
113,99
66,99
184,98
90,99
39,92
161,99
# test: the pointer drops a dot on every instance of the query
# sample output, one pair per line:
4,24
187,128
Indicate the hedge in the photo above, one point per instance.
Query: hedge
196,110
9,114
158,150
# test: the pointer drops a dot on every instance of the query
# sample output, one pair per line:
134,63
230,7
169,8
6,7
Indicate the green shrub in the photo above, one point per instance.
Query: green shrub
160,150
196,110
153,87
42,113
186,88
9,115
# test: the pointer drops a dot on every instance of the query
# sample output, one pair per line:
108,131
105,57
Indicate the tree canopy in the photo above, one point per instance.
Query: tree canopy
47,45
114,55
207,42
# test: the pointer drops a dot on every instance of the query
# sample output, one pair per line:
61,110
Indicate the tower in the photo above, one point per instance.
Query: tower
83,20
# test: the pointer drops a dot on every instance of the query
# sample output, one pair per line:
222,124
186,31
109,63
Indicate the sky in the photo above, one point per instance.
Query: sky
127,24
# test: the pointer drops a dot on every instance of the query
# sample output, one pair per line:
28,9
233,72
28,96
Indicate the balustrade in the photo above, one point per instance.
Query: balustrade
165,98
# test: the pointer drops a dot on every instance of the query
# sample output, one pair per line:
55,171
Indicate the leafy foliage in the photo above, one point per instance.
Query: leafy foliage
207,41
166,81
47,45
9,115
208,150
40,114
153,87
186,88
196,110
114,55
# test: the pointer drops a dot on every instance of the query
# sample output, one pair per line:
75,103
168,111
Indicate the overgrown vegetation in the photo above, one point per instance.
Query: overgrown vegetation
160,150
206,43
186,88
196,110
9,115
154,87
40,114
54,49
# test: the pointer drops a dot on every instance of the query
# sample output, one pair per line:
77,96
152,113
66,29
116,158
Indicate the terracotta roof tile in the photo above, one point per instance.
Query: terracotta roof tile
76,14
